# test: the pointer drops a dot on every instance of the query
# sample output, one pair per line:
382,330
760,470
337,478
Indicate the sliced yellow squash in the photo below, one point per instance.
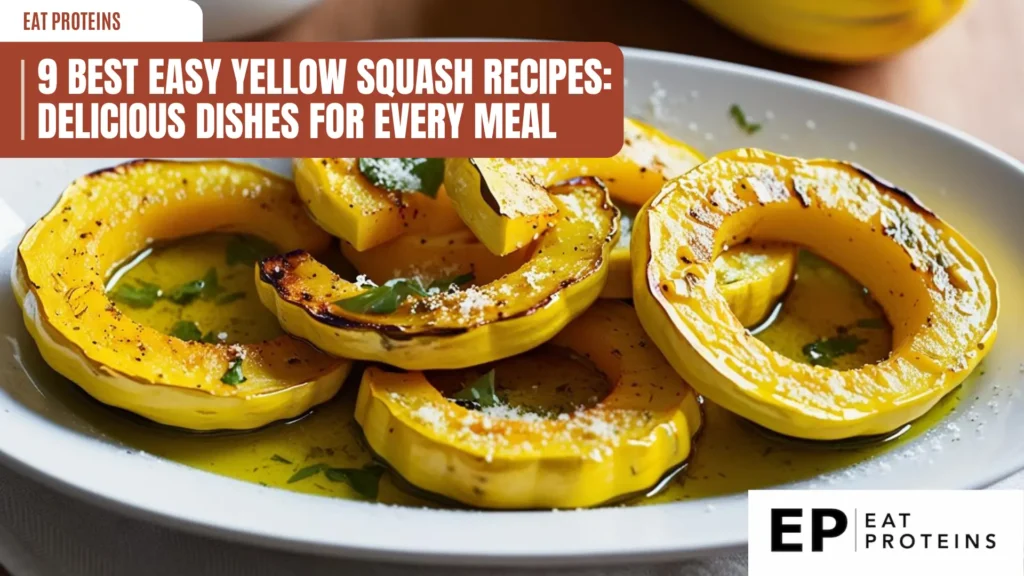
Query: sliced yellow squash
346,204
430,258
462,327
937,291
753,277
504,205
105,218
498,457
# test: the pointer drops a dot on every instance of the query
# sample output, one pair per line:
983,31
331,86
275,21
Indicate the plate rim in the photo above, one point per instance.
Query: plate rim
104,496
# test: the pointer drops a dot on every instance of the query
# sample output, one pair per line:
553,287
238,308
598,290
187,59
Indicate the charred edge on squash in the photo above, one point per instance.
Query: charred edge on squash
121,168
882,182
583,181
275,272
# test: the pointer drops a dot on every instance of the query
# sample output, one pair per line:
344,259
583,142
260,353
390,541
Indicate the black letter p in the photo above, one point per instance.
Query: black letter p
818,532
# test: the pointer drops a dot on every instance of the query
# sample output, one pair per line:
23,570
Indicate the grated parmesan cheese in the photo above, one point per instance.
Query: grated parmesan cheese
363,282
430,415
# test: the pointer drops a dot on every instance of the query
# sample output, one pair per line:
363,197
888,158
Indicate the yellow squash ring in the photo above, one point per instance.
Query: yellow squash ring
106,217
562,277
937,290
621,446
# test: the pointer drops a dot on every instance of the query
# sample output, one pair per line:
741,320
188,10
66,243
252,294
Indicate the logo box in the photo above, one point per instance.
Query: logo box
858,532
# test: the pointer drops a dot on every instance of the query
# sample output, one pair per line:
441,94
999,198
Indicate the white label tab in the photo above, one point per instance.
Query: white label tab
876,533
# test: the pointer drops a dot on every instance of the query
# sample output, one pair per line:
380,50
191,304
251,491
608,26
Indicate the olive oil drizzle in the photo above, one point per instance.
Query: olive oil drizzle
730,456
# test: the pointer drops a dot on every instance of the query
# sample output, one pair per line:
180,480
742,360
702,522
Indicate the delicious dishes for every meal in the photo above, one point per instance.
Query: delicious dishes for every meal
516,333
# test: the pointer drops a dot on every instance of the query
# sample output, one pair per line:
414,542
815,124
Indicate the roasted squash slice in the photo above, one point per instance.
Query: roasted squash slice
346,204
753,277
497,458
503,200
456,328
937,291
105,218
430,258
500,199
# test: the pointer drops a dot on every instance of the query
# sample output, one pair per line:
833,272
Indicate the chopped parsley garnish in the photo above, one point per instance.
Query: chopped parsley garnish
741,120
872,323
824,352
480,393
186,330
444,283
306,472
143,295
383,299
281,459
363,480
233,376
229,298
423,175
386,298
207,287
247,250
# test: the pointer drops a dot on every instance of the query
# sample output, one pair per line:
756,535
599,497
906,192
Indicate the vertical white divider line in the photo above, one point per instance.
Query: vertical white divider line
23,100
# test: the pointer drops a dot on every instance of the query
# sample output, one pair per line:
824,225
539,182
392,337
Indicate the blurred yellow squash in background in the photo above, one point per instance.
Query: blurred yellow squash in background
837,30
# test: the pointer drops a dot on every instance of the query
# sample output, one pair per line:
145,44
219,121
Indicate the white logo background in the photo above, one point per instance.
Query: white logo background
955,513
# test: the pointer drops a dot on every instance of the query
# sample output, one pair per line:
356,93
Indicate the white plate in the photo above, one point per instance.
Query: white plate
972,185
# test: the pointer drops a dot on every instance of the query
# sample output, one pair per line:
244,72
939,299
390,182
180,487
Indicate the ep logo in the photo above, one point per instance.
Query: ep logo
823,523
858,532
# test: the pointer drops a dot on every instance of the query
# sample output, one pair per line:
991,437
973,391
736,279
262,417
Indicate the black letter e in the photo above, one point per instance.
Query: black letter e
779,528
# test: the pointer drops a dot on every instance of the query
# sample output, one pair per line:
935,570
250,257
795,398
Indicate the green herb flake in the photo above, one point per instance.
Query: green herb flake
480,393
211,338
871,323
444,283
423,175
247,250
281,459
363,480
233,376
741,120
306,472
143,295
824,352
207,287
186,330
383,299
229,298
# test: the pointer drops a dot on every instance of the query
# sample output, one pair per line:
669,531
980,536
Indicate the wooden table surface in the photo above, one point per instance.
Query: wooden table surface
969,75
